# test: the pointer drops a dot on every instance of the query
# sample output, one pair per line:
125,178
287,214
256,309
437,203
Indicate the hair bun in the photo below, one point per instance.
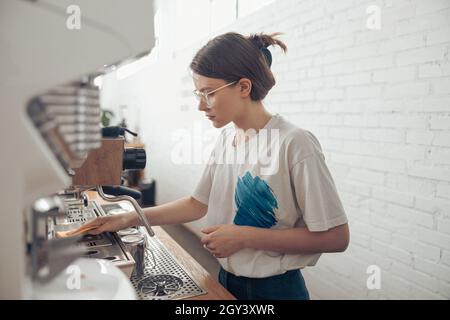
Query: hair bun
268,55
262,40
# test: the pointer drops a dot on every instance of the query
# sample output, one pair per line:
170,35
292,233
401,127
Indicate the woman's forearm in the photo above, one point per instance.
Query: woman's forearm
179,211
297,240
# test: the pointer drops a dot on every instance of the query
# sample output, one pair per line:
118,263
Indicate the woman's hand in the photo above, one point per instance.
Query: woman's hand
223,240
111,223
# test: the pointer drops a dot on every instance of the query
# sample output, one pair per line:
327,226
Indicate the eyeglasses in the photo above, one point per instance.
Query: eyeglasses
205,95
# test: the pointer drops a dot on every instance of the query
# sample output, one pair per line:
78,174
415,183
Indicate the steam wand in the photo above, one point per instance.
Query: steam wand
136,206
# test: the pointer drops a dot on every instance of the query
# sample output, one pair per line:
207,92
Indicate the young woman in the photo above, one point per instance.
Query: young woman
268,218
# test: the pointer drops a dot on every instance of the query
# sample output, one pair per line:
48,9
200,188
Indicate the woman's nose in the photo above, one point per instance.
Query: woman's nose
202,106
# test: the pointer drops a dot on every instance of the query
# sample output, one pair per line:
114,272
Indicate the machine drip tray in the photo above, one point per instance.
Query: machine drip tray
164,278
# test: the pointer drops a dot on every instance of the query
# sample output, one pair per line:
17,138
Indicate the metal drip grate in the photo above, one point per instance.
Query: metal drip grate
160,285
164,278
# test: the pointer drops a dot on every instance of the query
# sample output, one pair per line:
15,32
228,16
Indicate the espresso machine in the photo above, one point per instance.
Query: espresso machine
51,52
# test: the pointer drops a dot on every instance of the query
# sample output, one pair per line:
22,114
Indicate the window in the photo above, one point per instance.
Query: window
199,19
223,13
246,7
192,21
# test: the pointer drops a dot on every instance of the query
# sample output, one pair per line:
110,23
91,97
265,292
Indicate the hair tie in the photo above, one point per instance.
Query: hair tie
267,55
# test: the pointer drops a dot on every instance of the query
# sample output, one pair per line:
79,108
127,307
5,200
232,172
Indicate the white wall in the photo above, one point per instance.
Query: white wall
379,102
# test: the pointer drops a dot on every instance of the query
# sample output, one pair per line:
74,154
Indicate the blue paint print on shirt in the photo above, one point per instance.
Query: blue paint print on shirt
255,202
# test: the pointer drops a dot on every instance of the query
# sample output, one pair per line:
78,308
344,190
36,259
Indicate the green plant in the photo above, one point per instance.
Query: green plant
106,117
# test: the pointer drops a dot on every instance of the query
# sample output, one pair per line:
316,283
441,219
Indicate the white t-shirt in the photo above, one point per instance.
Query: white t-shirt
277,179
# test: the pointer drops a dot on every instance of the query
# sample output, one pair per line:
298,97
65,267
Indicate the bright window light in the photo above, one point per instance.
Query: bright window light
246,7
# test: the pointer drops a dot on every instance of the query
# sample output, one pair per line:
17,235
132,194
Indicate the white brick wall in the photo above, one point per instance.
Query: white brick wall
390,111
379,101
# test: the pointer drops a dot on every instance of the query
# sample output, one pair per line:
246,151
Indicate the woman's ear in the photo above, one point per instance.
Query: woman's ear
245,87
